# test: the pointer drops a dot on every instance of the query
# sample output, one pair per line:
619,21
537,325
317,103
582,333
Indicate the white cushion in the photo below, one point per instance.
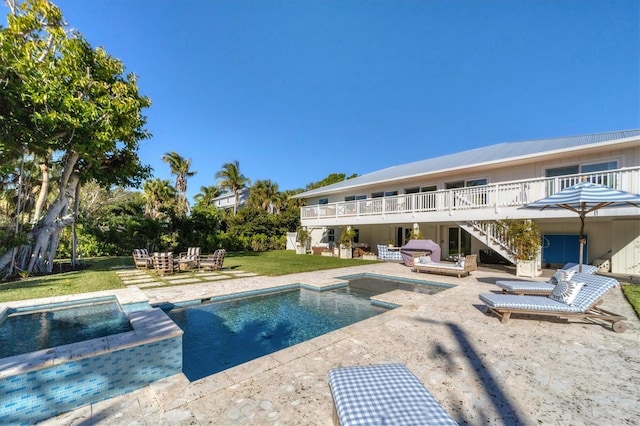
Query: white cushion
561,275
423,260
460,263
566,291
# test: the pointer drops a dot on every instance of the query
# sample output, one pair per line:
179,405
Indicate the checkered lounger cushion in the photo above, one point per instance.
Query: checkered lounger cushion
546,287
590,293
385,394
586,269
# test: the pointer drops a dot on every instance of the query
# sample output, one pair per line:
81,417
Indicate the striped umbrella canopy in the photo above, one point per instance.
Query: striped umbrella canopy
584,198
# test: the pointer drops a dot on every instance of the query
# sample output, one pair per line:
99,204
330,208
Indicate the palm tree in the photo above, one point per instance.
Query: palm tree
180,167
264,195
206,195
232,180
157,193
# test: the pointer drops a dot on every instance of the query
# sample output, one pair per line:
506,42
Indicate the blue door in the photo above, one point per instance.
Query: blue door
563,248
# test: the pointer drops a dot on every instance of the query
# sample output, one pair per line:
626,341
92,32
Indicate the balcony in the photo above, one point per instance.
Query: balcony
487,202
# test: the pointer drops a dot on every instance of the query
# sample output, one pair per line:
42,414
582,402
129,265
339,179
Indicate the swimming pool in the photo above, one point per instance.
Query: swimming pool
221,335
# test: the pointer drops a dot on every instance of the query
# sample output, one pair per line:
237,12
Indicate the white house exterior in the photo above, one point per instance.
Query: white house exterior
455,199
228,200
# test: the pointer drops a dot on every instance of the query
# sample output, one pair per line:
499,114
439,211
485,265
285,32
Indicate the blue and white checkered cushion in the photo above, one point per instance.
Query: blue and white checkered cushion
542,287
586,269
385,394
595,287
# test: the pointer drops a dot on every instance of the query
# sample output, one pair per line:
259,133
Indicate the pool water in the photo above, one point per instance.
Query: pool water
221,335
370,285
24,332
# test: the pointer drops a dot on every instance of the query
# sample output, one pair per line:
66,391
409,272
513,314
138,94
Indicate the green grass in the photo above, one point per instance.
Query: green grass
632,293
99,274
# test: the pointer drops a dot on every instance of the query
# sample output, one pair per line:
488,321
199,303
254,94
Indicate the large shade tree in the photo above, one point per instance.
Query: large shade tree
70,106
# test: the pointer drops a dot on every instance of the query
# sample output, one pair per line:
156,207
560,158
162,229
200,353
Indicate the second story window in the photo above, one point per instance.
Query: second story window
323,201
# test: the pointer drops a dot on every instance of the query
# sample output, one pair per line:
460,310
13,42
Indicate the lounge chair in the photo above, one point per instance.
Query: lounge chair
424,264
214,261
191,256
584,306
384,394
163,263
141,259
539,287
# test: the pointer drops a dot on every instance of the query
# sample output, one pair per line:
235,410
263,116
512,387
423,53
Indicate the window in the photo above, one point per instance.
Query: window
323,201
430,188
476,182
377,195
361,197
390,193
331,235
350,198
412,190
453,185
588,168
562,171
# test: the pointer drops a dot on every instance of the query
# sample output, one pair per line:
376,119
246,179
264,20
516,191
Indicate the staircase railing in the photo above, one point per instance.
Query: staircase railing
493,235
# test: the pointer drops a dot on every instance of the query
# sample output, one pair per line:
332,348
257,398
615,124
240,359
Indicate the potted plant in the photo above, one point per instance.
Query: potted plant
391,243
525,238
346,239
302,238
369,256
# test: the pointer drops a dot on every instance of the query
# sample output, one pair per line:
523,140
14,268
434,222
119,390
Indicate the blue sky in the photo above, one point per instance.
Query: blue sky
296,90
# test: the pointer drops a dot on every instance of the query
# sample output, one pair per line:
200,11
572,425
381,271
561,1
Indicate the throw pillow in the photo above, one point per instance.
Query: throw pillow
460,262
566,291
561,275
423,260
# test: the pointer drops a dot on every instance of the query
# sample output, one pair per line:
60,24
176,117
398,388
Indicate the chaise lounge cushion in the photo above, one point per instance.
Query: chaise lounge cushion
384,394
538,287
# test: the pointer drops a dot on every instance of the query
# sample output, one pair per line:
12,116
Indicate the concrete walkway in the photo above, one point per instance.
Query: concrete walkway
483,372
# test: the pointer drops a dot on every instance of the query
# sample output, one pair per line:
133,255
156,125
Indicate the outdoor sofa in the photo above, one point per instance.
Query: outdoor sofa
460,268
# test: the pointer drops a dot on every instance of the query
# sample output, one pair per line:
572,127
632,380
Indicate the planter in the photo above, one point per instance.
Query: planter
345,253
327,253
527,268
301,250
369,257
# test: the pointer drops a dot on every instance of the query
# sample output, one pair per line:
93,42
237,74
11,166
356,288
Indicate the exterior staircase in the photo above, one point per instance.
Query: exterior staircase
492,234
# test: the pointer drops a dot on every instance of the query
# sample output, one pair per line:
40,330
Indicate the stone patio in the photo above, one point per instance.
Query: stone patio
528,371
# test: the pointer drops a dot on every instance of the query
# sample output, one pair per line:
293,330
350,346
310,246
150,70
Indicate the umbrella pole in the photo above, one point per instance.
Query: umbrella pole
582,214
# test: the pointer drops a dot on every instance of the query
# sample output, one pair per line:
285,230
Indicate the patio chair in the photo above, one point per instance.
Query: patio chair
141,259
192,255
469,264
163,263
545,288
214,261
388,394
583,307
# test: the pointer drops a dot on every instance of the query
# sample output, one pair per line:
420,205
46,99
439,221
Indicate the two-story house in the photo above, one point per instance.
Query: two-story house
455,200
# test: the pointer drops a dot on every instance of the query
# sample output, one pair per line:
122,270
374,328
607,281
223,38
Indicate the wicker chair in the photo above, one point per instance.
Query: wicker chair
191,255
141,259
214,261
163,263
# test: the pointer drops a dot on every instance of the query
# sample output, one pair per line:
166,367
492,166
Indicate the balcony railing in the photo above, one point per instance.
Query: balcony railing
498,195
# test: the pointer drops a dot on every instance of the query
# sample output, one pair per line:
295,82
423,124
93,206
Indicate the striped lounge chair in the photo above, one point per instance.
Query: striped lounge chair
214,261
192,255
384,394
141,259
539,287
584,306
163,263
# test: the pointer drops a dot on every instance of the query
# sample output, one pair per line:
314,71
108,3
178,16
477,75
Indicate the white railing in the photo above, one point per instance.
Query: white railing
495,196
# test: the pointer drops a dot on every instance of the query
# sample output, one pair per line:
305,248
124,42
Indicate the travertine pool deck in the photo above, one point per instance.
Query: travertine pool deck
483,372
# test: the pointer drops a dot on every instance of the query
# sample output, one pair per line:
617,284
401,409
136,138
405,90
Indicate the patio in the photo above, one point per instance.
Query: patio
482,371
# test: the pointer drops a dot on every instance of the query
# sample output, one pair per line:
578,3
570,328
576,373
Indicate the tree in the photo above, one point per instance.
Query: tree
206,195
232,180
264,195
158,196
66,101
181,168
329,180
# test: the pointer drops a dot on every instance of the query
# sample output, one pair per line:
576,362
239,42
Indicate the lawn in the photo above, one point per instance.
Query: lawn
632,293
99,274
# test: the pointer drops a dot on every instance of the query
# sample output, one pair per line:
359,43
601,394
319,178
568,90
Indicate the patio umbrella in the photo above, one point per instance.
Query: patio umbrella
584,198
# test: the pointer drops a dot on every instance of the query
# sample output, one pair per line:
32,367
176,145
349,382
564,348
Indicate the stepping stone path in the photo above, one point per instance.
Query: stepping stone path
146,278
